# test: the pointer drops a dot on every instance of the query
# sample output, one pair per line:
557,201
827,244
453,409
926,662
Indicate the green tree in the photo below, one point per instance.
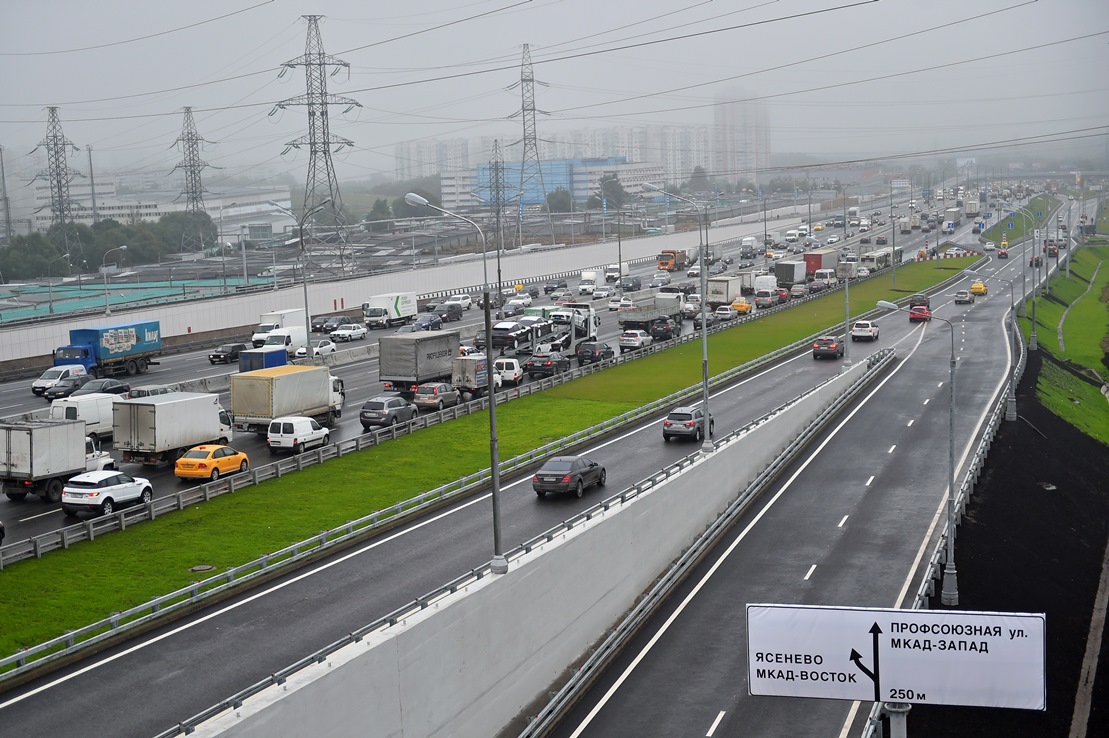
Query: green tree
613,191
378,213
559,201
698,180
402,209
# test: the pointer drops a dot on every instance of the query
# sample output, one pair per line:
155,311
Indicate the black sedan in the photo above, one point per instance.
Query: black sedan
227,353
568,474
66,387
110,386
428,322
551,286
546,364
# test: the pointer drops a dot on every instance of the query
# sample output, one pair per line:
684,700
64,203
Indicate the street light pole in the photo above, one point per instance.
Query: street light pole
302,257
223,248
706,445
104,274
949,595
499,564
50,284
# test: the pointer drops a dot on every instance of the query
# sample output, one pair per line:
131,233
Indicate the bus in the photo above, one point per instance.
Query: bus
875,260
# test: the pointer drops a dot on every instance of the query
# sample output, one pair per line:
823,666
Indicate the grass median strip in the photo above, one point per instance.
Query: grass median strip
1022,223
65,590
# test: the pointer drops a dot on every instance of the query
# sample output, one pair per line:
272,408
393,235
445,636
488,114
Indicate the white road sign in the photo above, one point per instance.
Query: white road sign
988,659
901,184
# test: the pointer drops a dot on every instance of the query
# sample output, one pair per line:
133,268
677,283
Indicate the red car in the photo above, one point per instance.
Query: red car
783,294
919,314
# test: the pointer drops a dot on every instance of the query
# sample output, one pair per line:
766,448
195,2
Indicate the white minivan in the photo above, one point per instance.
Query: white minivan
95,409
55,374
827,276
295,433
792,236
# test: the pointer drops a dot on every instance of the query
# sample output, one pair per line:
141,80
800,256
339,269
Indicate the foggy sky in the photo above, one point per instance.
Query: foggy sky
121,99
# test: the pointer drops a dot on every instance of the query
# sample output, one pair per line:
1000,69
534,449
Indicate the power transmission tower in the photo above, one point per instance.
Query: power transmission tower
530,169
321,185
59,174
192,165
92,187
496,200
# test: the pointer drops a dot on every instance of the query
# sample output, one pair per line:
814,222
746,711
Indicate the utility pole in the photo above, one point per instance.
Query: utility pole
59,174
322,186
92,187
192,165
496,196
8,204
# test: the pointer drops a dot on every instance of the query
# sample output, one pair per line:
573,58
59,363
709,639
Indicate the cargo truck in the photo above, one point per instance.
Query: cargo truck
819,259
273,320
260,396
847,270
914,221
723,290
587,283
972,208
789,273
158,429
953,215
746,283
38,457
714,252
613,272
904,225
116,349
672,260
394,308
470,375
407,360
748,247
662,305
265,357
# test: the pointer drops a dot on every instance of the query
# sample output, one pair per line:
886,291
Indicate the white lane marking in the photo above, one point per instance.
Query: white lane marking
940,384
844,519
645,426
811,570
40,515
869,481
715,724
892,448
732,546
910,424
927,401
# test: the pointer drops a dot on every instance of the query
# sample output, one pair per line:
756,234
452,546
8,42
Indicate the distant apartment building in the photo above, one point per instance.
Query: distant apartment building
426,158
741,137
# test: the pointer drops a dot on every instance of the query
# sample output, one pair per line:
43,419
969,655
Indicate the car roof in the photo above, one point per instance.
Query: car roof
95,476
289,418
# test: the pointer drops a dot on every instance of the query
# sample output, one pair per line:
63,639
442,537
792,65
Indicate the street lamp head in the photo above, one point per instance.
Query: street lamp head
888,305
413,199
123,247
651,186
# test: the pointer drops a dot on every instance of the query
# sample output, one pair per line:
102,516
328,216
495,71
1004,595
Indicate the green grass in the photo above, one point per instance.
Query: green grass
1022,224
1103,217
42,598
1079,403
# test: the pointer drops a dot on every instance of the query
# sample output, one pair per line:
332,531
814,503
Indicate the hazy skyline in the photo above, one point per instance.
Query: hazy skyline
920,92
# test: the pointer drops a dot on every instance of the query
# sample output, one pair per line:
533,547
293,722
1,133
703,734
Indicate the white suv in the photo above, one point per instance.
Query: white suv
632,340
295,433
463,300
864,329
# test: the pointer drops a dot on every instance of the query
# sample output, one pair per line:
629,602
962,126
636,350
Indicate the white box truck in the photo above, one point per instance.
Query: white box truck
292,337
470,375
394,308
613,272
158,429
723,290
789,273
407,360
260,396
37,457
588,283
273,320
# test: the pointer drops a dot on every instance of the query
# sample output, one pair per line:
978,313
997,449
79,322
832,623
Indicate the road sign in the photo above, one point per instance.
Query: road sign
1039,213
1012,225
989,215
986,659
901,184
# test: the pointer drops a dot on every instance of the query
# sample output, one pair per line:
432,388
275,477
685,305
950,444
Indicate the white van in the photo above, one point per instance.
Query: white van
792,236
765,282
292,338
827,276
295,433
95,409
55,374
803,231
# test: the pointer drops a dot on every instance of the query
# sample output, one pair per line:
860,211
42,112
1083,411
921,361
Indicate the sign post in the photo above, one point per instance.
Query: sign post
984,659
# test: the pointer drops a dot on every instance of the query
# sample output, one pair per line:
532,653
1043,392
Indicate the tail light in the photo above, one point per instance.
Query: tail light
535,478
566,479
202,465
690,424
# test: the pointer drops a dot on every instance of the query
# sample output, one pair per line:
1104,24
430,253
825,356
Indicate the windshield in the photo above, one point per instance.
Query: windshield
275,340
265,327
68,353
226,348
374,312
52,373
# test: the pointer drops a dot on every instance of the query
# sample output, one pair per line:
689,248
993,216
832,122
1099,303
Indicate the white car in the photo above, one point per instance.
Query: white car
632,340
603,292
103,491
522,298
614,302
349,332
509,370
864,329
862,272
694,271
319,347
833,239
519,303
989,246
295,433
465,301
725,312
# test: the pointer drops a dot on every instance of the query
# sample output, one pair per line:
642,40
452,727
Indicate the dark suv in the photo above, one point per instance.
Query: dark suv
827,347
448,311
664,329
920,300
631,284
387,410
332,323
546,364
591,352
553,285
227,353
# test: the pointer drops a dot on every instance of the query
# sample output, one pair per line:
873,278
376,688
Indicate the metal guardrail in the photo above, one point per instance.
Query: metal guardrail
381,624
934,568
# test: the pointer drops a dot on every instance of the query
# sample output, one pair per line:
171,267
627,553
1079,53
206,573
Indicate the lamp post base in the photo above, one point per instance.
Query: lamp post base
949,595
707,447
898,713
1011,407
1033,342
499,564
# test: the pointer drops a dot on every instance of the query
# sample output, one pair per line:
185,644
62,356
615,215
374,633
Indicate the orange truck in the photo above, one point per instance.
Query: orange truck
672,260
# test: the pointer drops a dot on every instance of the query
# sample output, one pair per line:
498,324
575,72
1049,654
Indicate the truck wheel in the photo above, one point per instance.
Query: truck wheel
94,373
53,491
132,368
142,366
17,496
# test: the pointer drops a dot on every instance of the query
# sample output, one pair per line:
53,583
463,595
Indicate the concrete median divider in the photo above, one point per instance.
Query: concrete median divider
468,659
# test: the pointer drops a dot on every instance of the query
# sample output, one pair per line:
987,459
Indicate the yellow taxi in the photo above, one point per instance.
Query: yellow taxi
818,226
978,287
210,461
742,306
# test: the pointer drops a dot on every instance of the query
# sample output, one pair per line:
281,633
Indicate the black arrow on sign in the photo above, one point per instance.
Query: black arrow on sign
857,658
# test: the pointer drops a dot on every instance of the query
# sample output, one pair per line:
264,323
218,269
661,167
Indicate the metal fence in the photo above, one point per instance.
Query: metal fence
235,701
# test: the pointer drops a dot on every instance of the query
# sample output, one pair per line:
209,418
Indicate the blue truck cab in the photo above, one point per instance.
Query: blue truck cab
265,357
118,349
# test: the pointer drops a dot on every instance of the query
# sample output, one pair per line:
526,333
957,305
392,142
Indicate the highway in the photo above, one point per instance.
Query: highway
148,684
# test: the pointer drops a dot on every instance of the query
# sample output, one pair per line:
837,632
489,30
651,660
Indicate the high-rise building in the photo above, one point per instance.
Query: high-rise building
741,137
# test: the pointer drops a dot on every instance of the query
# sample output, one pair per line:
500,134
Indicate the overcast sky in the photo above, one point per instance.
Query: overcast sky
121,70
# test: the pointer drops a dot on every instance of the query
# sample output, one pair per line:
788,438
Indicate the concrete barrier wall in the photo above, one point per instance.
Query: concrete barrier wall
469,664
223,312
